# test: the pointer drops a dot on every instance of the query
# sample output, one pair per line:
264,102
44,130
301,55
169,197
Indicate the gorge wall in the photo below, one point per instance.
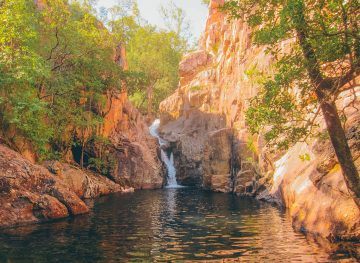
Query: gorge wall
36,191
133,151
32,193
204,122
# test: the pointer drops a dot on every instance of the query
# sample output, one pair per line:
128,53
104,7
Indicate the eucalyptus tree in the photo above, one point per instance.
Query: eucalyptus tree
323,60
176,20
21,66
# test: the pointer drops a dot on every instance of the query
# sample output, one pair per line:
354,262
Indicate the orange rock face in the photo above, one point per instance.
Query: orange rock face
216,84
215,87
116,99
29,193
135,152
85,184
133,149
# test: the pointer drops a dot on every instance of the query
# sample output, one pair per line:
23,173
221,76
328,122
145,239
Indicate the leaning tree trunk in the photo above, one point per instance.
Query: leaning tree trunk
341,146
322,87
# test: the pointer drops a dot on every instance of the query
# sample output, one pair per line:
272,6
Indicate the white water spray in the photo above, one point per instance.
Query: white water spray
169,162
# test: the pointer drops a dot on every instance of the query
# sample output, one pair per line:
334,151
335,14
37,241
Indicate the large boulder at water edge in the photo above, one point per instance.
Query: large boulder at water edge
30,193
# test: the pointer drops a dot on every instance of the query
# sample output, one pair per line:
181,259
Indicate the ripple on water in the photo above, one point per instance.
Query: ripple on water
169,225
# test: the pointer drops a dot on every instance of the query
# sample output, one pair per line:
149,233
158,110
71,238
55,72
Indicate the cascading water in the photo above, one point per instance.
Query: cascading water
169,162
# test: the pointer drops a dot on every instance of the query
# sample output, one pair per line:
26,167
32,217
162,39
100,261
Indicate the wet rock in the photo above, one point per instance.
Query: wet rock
188,139
323,207
48,208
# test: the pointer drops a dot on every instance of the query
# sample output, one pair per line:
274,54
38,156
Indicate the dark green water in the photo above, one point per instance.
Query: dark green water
173,225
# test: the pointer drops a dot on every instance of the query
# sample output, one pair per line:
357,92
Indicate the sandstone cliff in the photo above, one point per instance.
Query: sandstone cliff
31,193
133,151
204,121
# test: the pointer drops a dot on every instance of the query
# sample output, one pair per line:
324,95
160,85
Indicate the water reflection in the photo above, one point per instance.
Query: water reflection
169,225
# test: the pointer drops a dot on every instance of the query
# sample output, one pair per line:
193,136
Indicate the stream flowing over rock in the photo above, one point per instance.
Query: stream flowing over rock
204,123
167,158
135,151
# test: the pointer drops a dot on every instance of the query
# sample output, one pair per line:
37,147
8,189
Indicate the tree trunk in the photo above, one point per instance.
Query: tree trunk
82,158
341,146
82,154
150,100
328,107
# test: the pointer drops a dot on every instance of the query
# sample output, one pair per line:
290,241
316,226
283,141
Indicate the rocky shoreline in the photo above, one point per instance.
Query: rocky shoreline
31,193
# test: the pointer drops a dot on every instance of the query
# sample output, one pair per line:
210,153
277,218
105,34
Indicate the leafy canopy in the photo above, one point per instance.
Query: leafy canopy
55,65
57,69
286,107
153,54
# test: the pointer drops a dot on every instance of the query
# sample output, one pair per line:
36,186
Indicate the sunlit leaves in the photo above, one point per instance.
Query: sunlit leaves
57,68
286,104
155,56
56,65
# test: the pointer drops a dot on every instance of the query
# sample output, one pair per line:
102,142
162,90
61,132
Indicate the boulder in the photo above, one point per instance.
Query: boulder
30,193
318,202
85,184
216,161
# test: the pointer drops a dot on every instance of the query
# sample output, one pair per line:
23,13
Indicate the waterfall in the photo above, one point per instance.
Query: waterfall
169,162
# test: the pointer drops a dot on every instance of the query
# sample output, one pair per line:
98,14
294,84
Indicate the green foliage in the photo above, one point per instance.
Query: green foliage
20,68
56,66
252,72
305,157
286,106
103,165
175,20
205,2
101,161
153,55
196,88
157,54
251,146
216,47
27,114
